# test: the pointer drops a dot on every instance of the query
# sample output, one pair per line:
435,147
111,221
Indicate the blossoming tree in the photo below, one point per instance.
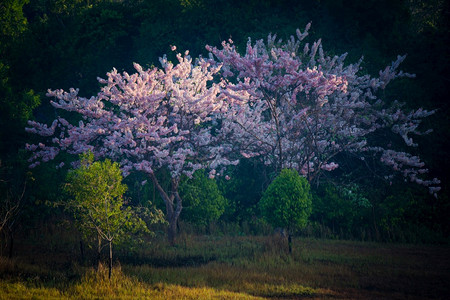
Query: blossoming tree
153,119
306,108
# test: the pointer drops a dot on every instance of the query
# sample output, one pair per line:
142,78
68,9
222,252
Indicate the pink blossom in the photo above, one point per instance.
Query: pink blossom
304,108
329,166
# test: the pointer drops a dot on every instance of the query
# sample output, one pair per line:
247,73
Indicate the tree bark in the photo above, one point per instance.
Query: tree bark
173,212
110,259
174,205
290,243
377,233
172,232
82,251
11,244
99,250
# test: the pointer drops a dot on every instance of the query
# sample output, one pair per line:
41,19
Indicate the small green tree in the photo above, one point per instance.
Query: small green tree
203,201
287,202
97,203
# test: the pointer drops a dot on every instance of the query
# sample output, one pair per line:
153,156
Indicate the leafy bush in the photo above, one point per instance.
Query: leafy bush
203,202
287,201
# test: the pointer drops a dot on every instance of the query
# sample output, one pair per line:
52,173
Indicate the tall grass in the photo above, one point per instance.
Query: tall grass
236,267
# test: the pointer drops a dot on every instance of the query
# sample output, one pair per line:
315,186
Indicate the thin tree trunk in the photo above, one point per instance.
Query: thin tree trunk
3,244
110,259
171,230
81,251
99,250
290,243
377,233
11,244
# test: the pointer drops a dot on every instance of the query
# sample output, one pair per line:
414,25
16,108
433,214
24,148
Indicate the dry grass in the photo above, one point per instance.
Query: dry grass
212,267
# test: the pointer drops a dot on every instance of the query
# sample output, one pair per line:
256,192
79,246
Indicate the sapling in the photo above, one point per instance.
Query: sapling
96,201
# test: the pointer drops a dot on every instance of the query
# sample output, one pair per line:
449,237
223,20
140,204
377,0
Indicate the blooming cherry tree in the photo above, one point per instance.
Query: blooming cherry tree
306,108
146,121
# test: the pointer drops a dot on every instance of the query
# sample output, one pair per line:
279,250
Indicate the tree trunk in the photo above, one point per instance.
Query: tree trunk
172,232
99,250
377,233
82,251
110,259
290,242
173,213
11,244
174,205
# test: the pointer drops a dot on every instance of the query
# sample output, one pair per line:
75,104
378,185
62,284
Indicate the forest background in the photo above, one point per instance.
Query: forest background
69,43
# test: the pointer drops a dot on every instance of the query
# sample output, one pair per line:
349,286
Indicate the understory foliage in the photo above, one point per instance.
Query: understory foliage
341,209
287,202
203,201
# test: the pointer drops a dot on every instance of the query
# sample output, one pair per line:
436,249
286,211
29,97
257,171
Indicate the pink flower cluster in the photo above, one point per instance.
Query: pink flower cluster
147,120
305,108
285,102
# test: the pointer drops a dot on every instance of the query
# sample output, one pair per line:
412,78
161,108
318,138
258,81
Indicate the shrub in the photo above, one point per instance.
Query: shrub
203,202
287,202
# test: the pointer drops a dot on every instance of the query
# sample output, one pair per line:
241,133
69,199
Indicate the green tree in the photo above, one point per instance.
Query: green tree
287,202
12,21
98,205
203,201
16,108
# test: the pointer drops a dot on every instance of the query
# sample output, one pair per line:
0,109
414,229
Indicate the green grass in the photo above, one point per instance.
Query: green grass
212,267
96,285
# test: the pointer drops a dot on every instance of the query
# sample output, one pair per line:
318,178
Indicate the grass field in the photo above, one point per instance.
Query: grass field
224,267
